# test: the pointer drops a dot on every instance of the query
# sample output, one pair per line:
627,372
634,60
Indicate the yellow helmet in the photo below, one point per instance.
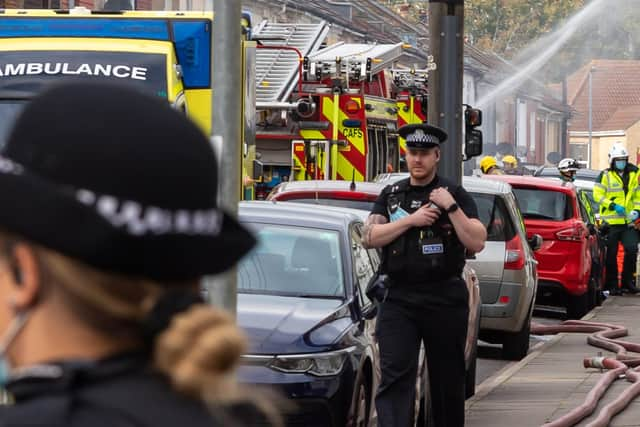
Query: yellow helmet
487,163
510,160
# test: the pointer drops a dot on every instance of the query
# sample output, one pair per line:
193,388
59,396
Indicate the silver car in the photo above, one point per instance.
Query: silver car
506,268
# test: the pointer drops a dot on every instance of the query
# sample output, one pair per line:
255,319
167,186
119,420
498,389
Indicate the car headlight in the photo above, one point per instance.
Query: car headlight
318,364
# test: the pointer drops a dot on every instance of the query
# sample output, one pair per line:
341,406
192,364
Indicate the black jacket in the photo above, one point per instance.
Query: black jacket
115,392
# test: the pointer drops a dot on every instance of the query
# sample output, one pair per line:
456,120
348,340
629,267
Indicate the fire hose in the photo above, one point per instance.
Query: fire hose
603,335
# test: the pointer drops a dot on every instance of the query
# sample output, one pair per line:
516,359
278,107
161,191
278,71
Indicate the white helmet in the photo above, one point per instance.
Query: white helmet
568,165
617,151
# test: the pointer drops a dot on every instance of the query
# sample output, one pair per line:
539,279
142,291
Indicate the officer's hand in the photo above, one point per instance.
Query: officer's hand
441,197
425,216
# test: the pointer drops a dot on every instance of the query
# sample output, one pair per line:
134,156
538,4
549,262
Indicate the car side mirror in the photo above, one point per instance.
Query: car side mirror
535,242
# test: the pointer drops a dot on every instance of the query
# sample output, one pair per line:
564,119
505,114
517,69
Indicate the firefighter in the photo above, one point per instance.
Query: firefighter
424,224
489,166
617,192
567,169
510,165
111,225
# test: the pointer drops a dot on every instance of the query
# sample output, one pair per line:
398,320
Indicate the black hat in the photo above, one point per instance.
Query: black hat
120,181
422,135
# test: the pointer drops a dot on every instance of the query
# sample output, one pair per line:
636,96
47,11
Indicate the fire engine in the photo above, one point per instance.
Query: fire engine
166,54
341,122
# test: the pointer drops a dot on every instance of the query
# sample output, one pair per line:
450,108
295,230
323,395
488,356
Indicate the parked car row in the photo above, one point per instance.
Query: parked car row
301,291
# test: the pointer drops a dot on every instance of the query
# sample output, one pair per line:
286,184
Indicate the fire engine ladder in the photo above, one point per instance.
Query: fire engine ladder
342,58
277,70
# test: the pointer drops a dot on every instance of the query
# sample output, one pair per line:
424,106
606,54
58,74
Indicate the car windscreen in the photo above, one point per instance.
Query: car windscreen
493,213
342,203
30,71
9,110
537,203
293,261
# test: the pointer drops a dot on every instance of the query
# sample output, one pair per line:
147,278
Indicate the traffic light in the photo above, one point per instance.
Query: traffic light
473,136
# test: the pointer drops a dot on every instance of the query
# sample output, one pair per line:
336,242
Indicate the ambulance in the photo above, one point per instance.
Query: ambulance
163,53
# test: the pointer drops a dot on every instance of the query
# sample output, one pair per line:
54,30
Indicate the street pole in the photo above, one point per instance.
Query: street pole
590,113
446,29
227,121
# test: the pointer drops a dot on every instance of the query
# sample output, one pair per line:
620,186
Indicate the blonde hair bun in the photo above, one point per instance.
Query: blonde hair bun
199,351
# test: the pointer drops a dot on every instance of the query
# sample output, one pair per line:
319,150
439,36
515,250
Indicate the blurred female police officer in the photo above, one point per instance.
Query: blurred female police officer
108,221
424,225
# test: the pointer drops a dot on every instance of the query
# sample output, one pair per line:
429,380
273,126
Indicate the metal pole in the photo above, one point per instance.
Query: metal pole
590,114
446,24
227,121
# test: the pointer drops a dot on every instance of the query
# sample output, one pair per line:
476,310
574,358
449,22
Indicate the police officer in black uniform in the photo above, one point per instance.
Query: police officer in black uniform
110,222
425,225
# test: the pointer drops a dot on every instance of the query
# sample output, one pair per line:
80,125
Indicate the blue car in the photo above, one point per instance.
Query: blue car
301,301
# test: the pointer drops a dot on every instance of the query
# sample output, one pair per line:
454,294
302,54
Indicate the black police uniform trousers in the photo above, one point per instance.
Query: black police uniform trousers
628,236
400,329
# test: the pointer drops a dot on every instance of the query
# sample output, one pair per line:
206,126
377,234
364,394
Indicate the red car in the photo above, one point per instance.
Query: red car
551,209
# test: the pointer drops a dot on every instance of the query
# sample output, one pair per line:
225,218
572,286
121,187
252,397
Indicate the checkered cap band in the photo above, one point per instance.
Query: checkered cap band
423,138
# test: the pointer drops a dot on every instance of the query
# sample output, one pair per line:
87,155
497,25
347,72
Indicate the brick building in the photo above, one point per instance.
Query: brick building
615,112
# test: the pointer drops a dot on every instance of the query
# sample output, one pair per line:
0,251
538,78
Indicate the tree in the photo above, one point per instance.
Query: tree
506,27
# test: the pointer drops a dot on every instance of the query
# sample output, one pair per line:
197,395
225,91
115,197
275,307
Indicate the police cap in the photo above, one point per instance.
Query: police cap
422,136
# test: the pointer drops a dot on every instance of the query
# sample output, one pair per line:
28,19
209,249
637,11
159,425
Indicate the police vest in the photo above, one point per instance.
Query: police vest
610,188
421,254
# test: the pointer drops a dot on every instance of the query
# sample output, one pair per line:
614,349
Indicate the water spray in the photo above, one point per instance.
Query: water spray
560,37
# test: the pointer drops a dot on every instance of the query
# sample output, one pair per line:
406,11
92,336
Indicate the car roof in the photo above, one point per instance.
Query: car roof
390,177
299,214
479,185
583,184
472,184
586,174
329,185
532,181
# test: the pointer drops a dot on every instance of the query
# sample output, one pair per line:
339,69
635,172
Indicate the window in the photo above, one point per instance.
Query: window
29,71
543,204
493,213
293,261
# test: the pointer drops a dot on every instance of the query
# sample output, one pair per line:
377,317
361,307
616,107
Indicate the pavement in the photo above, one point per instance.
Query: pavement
551,380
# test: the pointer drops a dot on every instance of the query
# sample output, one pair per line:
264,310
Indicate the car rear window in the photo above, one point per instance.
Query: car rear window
536,203
293,261
493,213
342,203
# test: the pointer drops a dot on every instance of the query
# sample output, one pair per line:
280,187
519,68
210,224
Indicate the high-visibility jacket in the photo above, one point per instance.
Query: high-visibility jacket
609,188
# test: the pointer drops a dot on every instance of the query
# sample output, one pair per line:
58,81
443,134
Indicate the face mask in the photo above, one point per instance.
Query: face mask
12,332
620,164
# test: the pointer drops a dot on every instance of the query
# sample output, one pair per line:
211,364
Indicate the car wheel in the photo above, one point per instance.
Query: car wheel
578,306
362,402
516,345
